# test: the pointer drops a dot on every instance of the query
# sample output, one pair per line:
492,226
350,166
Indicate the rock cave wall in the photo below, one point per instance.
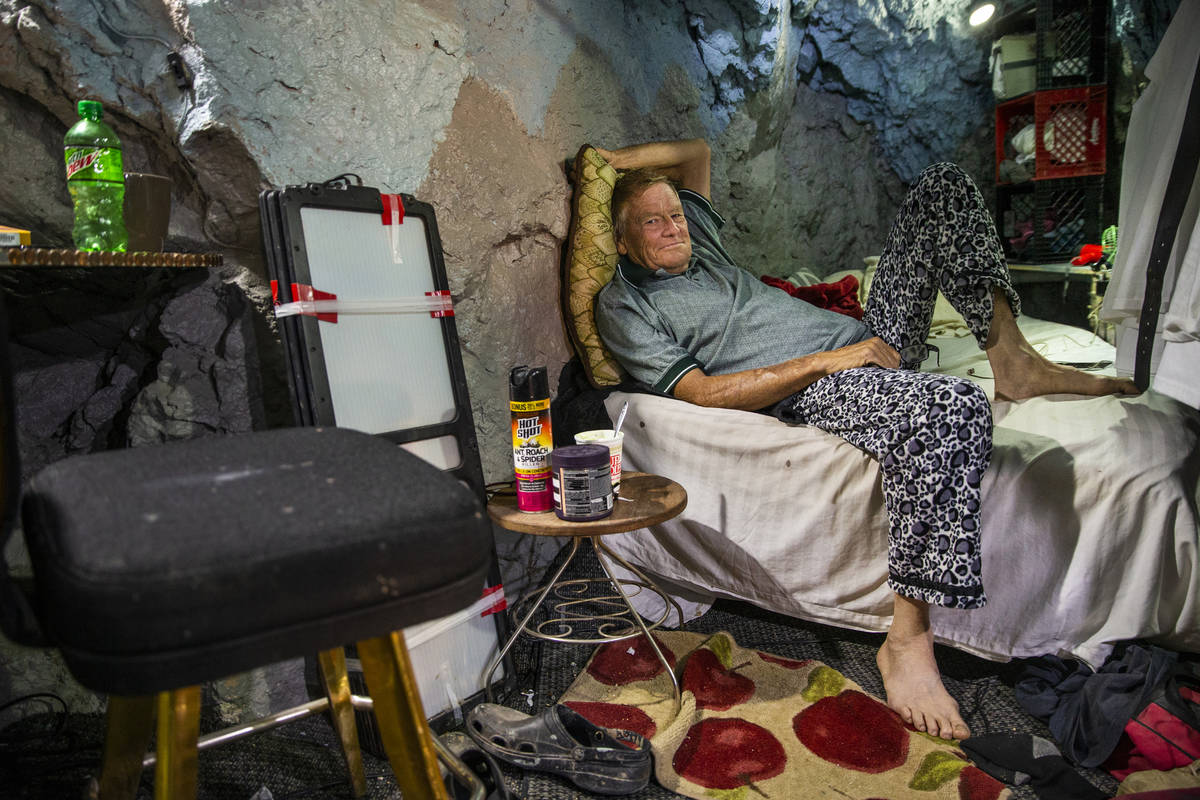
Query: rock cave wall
818,113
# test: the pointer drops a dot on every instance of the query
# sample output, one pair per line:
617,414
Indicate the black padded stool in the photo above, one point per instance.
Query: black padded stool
157,569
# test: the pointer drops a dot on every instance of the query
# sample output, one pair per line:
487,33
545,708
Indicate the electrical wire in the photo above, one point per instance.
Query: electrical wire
342,181
23,748
7,741
183,79
126,35
500,489
973,708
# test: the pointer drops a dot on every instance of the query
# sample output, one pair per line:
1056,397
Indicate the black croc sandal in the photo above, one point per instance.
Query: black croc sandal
558,740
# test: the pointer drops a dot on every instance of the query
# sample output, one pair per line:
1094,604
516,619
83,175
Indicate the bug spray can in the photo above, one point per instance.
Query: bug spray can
529,403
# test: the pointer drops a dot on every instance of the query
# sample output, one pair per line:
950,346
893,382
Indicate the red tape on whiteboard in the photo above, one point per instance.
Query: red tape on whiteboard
446,312
393,209
303,292
393,218
498,602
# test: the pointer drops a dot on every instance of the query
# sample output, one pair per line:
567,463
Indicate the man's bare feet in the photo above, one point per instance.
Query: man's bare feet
1021,372
914,686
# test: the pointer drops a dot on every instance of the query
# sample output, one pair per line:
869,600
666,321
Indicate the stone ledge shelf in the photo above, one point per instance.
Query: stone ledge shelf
65,257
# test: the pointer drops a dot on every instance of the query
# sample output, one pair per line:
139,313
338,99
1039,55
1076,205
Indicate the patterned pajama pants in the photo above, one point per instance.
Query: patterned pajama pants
932,434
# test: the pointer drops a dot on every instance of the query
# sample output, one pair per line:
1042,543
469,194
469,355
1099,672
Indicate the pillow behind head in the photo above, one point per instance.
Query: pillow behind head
589,263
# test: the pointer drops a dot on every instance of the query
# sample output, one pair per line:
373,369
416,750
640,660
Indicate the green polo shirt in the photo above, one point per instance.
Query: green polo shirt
714,315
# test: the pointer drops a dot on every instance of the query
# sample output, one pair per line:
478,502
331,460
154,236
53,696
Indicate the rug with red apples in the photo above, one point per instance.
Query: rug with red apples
753,725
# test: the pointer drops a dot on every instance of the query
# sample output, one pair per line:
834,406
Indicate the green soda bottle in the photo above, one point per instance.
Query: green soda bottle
96,180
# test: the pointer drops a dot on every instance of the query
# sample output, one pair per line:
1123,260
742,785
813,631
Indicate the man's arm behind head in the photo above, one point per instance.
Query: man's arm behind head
688,162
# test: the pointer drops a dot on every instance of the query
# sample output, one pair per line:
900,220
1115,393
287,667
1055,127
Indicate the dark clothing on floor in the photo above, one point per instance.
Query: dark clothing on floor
1021,758
1085,710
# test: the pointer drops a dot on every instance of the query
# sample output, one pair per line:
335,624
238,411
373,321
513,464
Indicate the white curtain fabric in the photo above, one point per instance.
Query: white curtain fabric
1154,130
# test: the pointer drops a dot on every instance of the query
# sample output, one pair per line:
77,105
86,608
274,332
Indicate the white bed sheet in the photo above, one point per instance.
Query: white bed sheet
1089,520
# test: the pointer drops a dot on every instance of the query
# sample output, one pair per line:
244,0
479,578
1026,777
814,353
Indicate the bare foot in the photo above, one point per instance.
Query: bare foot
1021,372
914,687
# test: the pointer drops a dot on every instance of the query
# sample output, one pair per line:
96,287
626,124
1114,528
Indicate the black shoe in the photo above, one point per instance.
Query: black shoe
601,760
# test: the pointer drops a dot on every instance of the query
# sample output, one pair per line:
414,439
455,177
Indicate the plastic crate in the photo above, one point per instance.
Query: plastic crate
1071,43
1016,209
1068,213
1011,117
1072,132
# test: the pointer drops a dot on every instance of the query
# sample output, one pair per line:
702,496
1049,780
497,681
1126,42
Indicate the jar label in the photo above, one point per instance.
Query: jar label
582,493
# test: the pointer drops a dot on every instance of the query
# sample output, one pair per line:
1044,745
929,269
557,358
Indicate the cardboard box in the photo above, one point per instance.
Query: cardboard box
1014,65
13,237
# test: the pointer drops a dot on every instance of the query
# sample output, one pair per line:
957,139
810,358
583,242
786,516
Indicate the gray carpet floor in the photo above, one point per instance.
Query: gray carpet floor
50,756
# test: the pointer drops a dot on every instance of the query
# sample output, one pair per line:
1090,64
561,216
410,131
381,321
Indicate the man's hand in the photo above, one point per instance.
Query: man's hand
754,389
871,353
610,156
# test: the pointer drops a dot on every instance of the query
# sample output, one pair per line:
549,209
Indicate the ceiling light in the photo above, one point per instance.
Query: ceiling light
981,13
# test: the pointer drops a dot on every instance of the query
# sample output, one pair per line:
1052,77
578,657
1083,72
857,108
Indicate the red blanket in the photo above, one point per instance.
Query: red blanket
841,296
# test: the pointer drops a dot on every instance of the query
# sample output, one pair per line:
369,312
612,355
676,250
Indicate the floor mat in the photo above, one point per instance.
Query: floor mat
982,688
753,724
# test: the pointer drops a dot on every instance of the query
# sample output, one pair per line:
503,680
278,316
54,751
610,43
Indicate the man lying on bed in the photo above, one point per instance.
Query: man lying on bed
683,319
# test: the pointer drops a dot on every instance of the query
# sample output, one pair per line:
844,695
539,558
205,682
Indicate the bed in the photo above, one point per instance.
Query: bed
1089,506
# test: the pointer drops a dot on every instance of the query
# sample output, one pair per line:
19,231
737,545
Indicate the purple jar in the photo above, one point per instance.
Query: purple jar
582,482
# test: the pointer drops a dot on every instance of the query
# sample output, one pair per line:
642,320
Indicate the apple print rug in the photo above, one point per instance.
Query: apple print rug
753,725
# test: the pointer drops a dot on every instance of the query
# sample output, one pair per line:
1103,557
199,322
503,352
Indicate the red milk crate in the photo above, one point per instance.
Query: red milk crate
1011,117
1072,131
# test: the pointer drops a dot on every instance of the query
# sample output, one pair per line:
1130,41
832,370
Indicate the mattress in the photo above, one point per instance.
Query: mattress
1089,514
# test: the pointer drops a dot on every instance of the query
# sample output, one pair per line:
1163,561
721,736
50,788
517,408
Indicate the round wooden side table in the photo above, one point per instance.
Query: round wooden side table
645,500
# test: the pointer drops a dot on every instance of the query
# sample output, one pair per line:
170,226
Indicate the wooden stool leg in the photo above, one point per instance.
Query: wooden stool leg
130,721
337,689
178,730
401,717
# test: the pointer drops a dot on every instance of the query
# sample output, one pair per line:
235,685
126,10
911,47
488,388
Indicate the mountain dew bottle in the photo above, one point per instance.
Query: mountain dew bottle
96,180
